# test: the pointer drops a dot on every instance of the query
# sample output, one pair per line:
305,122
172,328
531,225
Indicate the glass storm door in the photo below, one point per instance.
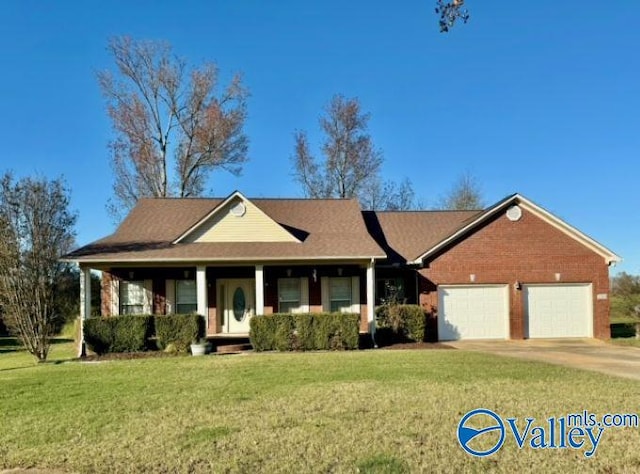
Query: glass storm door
238,305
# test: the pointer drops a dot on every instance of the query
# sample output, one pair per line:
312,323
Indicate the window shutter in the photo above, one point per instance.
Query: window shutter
355,295
148,297
170,297
304,295
324,290
115,296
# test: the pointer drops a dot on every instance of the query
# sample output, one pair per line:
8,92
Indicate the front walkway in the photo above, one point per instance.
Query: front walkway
588,354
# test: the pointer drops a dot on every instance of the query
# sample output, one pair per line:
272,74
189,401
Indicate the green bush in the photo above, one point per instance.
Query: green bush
400,323
118,333
262,333
285,339
310,331
305,330
178,329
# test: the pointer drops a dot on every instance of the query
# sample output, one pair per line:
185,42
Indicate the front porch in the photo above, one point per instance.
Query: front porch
228,296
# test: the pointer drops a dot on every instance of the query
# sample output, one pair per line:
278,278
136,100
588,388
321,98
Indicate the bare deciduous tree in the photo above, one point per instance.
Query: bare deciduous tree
449,12
350,160
464,195
36,228
389,196
350,166
172,126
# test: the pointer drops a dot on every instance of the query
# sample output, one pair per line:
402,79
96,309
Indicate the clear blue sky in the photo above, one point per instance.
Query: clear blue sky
541,98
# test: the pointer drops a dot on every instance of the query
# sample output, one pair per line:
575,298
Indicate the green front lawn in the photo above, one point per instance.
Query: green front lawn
367,411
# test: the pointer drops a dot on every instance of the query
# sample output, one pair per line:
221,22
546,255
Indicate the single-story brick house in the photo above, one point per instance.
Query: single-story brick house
512,270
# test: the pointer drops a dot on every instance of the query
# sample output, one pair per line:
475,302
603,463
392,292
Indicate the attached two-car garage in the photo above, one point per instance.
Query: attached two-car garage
482,311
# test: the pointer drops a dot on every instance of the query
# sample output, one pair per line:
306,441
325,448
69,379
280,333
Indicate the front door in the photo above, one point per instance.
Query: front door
238,304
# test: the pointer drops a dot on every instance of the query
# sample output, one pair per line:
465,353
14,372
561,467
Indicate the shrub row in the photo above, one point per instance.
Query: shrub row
400,323
118,334
133,333
178,329
305,331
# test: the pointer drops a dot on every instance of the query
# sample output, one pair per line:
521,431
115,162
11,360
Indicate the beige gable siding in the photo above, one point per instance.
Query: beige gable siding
253,226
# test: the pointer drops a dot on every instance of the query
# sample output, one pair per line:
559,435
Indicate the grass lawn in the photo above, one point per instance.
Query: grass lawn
363,411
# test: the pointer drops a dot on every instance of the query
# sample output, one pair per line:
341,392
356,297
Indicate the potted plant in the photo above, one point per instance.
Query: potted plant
200,347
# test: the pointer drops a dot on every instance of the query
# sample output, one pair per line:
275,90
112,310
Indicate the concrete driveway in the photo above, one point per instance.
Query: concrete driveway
588,354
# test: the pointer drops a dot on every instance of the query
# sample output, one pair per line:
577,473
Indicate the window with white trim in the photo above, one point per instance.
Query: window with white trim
289,294
132,297
340,294
186,297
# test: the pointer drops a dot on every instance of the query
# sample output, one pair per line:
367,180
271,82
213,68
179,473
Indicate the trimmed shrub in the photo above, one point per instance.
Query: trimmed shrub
305,327
400,323
285,339
262,333
414,319
131,333
118,333
178,329
98,334
309,331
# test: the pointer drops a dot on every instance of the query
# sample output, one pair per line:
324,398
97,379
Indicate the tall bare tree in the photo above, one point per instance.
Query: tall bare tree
36,228
350,166
172,125
350,160
389,196
464,195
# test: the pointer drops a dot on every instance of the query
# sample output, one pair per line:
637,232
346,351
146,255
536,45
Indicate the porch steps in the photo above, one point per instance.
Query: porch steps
233,348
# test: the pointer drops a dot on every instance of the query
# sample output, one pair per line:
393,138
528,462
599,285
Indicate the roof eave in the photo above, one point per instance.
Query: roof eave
609,257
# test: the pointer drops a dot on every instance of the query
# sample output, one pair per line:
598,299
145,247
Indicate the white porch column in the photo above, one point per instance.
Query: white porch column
259,289
371,299
85,305
201,293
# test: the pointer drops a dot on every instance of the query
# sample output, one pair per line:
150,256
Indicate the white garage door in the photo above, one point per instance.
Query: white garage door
558,310
473,312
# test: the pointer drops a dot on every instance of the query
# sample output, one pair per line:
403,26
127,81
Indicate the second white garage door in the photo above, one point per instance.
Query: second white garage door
473,312
558,310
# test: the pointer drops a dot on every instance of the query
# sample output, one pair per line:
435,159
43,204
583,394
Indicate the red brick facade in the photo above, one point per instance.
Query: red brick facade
529,250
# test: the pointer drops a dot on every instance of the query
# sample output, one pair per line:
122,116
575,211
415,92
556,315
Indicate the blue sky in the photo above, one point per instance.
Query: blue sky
540,98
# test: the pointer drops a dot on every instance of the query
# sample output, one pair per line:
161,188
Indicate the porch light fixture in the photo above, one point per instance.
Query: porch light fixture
472,277
131,275
517,285
314,275
339,271
288,272
187,274
558,276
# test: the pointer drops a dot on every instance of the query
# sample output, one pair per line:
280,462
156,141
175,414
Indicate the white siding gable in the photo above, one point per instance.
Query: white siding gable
253,225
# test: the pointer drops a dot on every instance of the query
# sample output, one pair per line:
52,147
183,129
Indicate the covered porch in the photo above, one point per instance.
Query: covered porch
228,296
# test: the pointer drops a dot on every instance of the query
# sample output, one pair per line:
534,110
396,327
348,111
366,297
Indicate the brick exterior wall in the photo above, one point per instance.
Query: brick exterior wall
105,293
527,251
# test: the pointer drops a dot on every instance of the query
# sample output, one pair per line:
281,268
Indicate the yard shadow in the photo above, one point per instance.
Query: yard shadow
10,344
623,330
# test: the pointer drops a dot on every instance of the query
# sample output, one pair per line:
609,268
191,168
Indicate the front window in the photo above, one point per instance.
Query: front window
340,294
131,297
186,297
288,294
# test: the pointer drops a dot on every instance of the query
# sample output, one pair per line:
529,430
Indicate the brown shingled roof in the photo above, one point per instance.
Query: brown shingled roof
405,235
328,228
